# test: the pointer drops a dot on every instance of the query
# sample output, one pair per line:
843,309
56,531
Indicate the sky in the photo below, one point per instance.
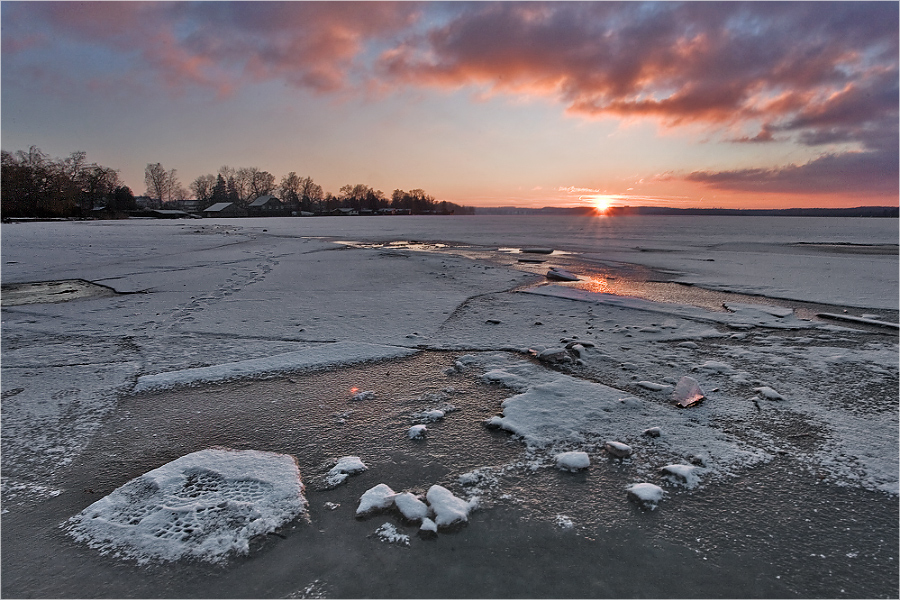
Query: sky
706,104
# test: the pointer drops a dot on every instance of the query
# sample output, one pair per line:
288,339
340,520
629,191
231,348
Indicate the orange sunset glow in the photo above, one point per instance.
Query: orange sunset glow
595,104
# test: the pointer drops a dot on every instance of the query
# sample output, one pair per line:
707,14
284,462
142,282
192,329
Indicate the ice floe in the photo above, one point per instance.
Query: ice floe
204,505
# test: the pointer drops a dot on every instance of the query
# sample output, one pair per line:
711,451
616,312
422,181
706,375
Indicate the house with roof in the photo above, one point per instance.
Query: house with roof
223,209
266,206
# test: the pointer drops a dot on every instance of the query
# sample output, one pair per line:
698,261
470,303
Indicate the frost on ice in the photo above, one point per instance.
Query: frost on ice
203,505
389,534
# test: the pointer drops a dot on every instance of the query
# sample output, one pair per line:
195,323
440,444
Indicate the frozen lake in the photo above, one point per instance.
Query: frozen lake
149,340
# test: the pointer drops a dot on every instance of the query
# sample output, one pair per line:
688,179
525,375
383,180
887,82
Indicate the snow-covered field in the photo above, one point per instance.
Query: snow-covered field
583,369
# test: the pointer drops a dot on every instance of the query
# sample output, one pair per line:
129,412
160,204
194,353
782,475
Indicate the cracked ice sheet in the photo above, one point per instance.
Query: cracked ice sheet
554,412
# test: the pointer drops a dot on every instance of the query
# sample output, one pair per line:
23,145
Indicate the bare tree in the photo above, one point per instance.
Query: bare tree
203,188
290,190
157,180
262,183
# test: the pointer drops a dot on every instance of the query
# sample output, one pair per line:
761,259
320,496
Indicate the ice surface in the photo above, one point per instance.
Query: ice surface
204,505
380,497
448,509
572,461
222,298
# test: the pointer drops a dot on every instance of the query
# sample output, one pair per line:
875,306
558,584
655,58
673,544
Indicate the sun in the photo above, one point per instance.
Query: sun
601,203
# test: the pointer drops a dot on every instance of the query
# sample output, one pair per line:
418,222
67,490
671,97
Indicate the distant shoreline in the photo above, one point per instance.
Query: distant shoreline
861,211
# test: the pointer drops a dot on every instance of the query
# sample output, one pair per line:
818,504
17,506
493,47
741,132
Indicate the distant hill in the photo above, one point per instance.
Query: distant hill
860,211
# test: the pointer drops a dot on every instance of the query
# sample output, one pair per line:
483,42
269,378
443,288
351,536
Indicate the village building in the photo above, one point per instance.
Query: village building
223,209
265,206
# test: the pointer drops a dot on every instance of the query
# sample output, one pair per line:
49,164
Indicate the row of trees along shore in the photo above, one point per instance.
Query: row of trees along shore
35,185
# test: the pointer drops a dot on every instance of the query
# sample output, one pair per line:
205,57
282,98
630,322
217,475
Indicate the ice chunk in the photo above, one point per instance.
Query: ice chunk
367,395
377,498
572,461
618,449
428,528
654,387
645,494
554,355
558,274
417,432
687,392
768,393
429,416
448,509
538,250
684,474
346,466
203,505
389,534
653,432
410,506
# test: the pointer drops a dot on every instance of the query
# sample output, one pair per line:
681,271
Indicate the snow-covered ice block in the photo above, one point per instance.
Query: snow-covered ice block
768,393
417,432
346,466
686,475
410,506
687,392
645,494
203,505
572,461
618,449
653,432
448,509
377,498
389,534
367,395
429,416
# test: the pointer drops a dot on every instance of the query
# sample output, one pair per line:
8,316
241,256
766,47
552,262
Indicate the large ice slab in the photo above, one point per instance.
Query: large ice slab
204,505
